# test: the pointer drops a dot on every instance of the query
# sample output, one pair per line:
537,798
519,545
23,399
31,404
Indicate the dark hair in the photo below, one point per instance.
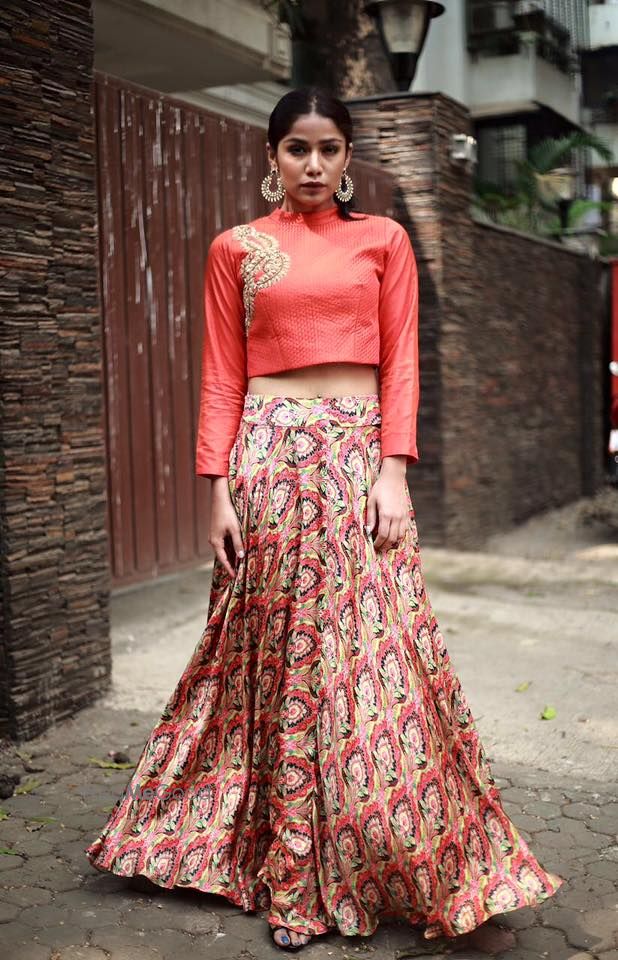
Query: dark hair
305,100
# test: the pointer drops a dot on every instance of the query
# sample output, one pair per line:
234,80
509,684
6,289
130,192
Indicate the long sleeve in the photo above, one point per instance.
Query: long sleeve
224,365
399,367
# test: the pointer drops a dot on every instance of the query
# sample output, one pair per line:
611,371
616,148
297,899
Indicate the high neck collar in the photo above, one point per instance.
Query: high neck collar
305,216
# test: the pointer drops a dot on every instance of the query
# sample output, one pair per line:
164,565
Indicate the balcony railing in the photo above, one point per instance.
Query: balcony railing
503,27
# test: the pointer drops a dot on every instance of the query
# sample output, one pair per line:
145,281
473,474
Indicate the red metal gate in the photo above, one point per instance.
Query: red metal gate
170,177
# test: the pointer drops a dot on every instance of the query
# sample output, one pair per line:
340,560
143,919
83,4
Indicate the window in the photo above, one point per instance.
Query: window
498,149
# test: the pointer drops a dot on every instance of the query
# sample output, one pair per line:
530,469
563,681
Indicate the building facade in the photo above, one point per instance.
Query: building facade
227,56
526,70
600,101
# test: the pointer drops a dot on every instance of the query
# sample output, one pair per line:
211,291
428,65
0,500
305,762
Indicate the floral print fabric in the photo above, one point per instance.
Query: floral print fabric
318,758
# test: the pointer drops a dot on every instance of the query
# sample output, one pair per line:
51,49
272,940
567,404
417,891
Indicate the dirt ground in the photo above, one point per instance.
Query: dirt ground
586,528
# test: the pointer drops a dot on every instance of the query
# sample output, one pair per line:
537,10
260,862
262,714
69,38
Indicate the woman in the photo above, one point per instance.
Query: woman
318,758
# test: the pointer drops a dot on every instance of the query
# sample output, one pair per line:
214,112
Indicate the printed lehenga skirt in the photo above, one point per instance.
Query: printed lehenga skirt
318,759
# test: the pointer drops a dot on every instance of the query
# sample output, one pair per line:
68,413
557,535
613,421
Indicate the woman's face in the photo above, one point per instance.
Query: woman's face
311,158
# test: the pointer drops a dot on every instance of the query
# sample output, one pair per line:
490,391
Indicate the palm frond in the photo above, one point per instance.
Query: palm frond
556,151
580,207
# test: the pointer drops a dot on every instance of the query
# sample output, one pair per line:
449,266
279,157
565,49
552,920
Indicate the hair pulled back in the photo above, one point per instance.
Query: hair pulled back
311,99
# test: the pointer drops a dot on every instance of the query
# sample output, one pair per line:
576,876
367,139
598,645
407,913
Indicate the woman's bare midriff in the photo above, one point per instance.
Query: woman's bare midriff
319,380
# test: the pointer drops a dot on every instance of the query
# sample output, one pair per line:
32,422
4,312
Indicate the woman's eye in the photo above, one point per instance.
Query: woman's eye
296,150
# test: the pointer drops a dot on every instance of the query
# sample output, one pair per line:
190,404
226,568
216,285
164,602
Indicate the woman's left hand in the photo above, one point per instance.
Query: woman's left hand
387,504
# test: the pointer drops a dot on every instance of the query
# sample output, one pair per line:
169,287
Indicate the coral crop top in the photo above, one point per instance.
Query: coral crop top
290,289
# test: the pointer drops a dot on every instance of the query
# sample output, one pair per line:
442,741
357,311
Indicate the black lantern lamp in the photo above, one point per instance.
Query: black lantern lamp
403,25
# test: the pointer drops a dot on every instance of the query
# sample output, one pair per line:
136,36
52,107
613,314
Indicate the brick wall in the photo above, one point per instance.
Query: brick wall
510,419
533,428
54,652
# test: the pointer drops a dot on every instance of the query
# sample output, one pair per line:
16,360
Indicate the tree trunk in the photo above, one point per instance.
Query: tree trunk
341,50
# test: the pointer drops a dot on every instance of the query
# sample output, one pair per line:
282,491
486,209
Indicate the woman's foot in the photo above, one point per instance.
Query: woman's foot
286,938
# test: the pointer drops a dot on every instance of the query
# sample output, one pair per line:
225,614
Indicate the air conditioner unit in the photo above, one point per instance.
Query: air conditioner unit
487,17
529,6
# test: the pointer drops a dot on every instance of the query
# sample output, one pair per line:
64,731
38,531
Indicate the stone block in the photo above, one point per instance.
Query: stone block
61,935
26,896
81,953
31,951
224,947
136,953
542,809
541,939
9,911
115,937
244,926
581,811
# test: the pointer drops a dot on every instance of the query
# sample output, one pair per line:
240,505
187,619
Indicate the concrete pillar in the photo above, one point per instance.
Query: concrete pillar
54,578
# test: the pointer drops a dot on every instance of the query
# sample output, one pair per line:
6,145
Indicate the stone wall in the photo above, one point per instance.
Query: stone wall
54,652
408,134
510,335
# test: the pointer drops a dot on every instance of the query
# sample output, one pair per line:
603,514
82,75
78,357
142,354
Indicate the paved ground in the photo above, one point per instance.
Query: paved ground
539,607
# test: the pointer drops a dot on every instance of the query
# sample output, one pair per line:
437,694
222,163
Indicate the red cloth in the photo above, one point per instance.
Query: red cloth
318,759
288,290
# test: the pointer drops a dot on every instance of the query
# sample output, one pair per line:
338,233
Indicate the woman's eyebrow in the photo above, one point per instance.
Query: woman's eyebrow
323,140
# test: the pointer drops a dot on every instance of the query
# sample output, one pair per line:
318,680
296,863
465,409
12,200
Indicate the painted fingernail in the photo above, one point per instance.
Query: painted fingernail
285,938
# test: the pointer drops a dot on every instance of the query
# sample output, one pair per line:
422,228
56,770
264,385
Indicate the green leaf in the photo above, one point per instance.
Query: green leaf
4,814
522,686
9,852
110,764
28,787
43,819
548,713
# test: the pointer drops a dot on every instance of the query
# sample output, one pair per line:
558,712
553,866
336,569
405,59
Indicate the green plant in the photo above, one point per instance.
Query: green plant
608,246
532,202
580,207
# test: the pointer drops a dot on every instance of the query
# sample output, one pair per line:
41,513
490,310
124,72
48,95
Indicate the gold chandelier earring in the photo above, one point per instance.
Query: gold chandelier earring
344,193
268,192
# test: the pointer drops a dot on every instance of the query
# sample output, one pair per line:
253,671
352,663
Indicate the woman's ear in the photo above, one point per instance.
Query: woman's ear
270,154
349,153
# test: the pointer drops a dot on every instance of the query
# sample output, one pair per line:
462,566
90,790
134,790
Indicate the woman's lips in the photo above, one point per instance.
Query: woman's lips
313,186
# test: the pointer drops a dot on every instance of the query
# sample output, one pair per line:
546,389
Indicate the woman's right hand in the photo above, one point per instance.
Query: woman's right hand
224,522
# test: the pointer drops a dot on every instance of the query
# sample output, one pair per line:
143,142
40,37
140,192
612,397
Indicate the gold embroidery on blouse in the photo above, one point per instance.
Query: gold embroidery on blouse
263,265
